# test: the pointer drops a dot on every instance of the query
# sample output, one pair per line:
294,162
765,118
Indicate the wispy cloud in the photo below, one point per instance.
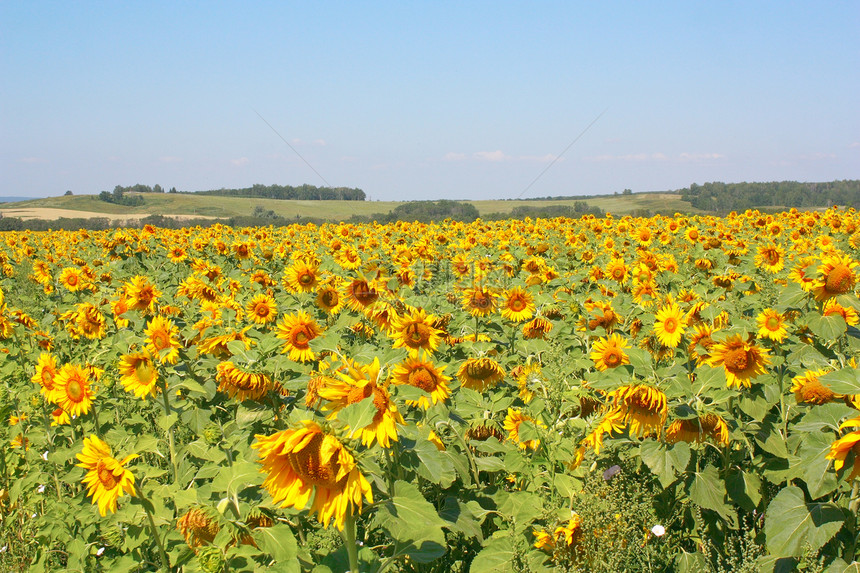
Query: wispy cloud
32,160
854,145
170,159
497,157
240,162
700,156
642,157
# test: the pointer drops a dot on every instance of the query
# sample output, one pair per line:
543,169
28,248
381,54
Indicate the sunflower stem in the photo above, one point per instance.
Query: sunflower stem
50,436
165,563
348,535
170,444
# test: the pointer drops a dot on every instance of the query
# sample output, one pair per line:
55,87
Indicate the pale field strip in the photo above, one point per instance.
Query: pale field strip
50,214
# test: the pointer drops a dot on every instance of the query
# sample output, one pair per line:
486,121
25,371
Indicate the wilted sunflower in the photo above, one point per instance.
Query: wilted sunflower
46,372
198,526
609,352
297,330
480,373
262,309
701,339
138,374
106,478
354,383
360,294
771,325
643,408
849,443
302,276
513,421
307,461
808,389
241,384
421,373
741,360
161,340
141,294
538,327
835,276
479,301
517,304
698,429
72,390
414,331
599,314
669,326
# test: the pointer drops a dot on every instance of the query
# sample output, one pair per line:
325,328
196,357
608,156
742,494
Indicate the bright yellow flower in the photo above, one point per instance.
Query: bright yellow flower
415,332
421,373
297,330
161,340
141,294
771,325
262,309
835,276
241,384
741,360
72,390
518,305
106,478
643,408
669,326
138,374
808,389
513,421
609,352
480,373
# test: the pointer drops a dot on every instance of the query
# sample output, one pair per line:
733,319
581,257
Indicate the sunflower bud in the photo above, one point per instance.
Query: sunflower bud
212,435
211,559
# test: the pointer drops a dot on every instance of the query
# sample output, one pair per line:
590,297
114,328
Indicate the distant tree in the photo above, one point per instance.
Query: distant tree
158,189
67,193
627,192
173,190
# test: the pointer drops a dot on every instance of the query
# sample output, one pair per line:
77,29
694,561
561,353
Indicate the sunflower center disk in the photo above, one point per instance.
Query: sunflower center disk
106,477
75,390
840,280
423,379
736,360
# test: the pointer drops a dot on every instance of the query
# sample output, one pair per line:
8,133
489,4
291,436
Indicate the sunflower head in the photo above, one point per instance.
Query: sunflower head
480,373
106,478
609,352
297,331
741,360
423,374
808,389
139,374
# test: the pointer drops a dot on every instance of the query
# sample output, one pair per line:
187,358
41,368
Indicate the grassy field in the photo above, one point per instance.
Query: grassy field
213,206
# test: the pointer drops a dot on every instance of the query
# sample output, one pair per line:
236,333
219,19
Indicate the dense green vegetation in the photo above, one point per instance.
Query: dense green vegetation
300,193
723,197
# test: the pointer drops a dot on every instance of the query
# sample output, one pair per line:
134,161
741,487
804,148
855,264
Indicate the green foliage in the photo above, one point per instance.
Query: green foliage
725,197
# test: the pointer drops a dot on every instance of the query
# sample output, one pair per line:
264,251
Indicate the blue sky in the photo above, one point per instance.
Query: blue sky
427,100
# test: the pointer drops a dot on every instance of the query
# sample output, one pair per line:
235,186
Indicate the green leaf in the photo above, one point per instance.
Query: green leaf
166,422
824,416
827,328
459,517
845,381
358,415
278,541
744,489
691,562
413,523
497,556
792,296
237,477
665,461
709,491
814,448
521,506
791,523
436,466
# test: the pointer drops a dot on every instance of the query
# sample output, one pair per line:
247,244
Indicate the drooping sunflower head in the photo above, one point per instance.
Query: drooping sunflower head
479,301
599,314
138,374
415,331
513,422
198,526
305,462
361,294
480,373
808,389
329,298
609,352
741,360
297,331
643,408
262,309
106,477
141,294
240,383
423,374
538,327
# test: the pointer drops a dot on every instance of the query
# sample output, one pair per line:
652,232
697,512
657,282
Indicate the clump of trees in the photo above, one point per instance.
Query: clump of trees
119,197
724,197
302,192
578,209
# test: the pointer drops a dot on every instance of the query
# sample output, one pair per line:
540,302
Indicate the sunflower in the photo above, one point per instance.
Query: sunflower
138,374
106,478
669,326
46,372
421,373
348,258
198,526
517,304
698,429
771,325
480,373
119,307
262,309
71,278
770,257
528,377
217,345
329,299
72,390
161,340
354,383
307,461
701,339
609,352
847,444
599,314
741,360
512,424
643,408
361,295
835,276
479,301
808,389
415,332
801,273
297,330
302,276
538,327
141,294
241,384
833,308
89,321
617,270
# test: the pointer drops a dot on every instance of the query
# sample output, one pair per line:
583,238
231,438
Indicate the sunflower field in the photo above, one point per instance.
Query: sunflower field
596,394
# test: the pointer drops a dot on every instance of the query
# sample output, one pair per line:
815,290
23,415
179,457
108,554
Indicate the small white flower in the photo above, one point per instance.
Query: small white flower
45,455
100,551
41,489
34,515
4,548
658,530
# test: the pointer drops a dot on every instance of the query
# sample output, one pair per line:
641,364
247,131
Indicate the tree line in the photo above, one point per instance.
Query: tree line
723,197
302,192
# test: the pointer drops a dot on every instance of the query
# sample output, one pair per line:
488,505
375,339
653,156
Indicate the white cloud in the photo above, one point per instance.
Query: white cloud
240,162
548,158
854,144
658,156
497,155
699,156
